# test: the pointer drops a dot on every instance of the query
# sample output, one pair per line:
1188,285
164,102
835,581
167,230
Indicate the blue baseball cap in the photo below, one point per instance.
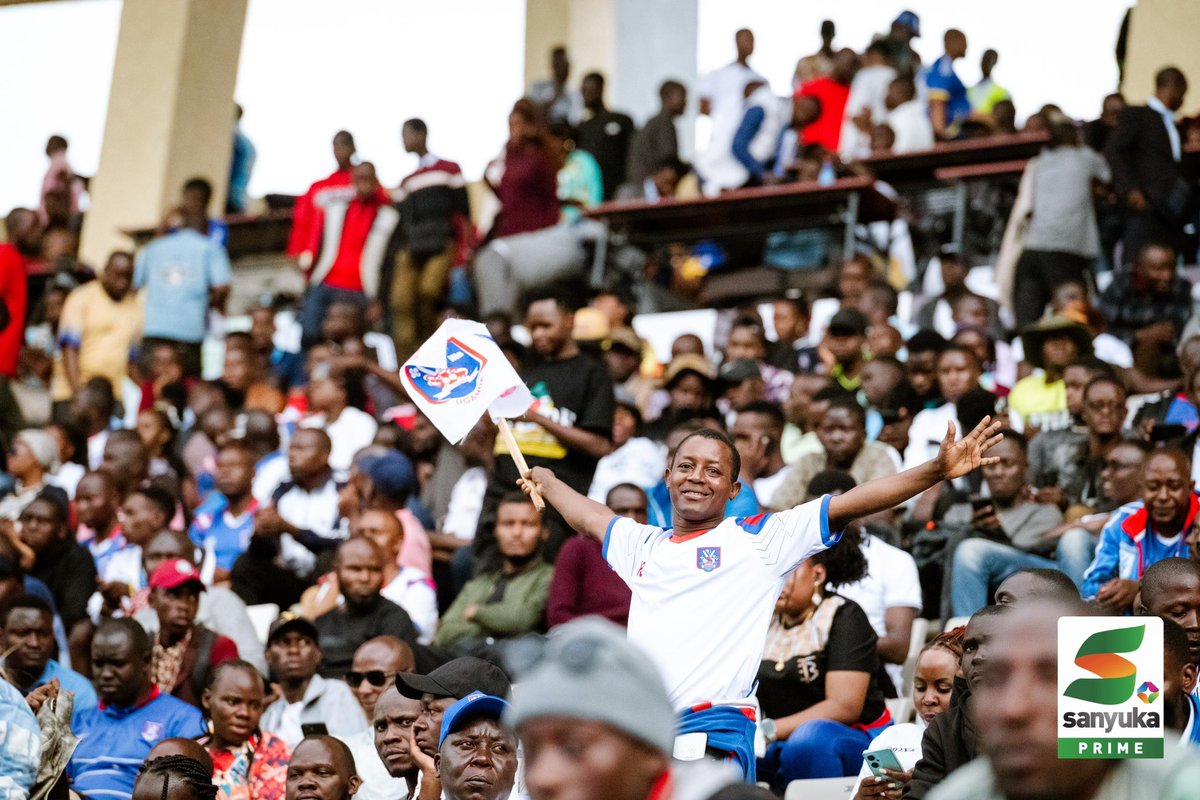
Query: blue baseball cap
909,20
392,475
474,705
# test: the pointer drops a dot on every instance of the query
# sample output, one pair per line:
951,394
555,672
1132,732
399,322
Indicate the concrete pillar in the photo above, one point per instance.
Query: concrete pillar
1162,33
634,43
170,114
656,41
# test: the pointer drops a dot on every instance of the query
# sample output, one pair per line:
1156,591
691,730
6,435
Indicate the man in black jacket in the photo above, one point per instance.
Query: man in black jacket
1144,152
604,133
952,739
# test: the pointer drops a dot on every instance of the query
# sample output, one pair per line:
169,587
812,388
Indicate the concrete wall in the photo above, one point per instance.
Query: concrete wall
636,44
1163,33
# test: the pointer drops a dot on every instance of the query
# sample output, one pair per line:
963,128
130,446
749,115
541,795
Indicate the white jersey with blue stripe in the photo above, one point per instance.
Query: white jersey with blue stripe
702,602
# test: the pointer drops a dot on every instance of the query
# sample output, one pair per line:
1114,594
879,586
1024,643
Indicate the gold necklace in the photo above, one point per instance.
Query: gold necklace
781,665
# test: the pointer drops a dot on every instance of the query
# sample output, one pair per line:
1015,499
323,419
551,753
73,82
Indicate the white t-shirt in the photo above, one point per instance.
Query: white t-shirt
67,477
702,603
639,461
891,581
764,487
270,471
289,724
377,784
1112,350
904,740
315,511
1196,462
413,591
352,431
910,122
725,89
95,447
466,503
867,90
821,312
927,431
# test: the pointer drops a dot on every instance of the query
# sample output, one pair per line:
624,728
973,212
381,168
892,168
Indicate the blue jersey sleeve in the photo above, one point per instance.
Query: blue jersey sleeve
746,132
939,80
1108,553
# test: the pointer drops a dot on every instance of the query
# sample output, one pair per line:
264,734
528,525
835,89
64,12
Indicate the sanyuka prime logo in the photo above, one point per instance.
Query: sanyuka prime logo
1109,672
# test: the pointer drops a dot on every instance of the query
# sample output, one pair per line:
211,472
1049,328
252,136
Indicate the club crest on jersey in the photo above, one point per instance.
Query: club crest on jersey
152,731
708,558
458,379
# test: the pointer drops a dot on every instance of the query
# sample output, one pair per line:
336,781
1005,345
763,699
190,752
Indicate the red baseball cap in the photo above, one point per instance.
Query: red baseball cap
175,572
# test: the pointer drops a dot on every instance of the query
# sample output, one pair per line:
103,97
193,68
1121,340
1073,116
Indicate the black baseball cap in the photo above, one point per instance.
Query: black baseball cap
735,372
848,322
457,679
289,622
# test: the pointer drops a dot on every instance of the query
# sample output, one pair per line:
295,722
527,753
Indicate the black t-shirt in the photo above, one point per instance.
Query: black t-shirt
343,631
800,684
785,356
575,392
69,572
606,136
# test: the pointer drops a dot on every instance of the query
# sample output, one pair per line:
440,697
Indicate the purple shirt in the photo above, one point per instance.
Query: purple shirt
585,584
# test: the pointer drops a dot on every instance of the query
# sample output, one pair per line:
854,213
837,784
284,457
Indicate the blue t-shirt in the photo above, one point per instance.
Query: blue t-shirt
1180,411
177,271
213,528
72,681
943,84
113,743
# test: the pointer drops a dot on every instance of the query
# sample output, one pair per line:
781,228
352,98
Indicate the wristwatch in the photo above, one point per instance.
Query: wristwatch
767,726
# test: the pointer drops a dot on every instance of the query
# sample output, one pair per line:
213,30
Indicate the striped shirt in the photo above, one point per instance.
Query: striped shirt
113,742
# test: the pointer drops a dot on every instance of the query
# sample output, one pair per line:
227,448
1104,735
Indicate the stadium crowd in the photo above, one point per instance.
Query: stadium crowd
236,561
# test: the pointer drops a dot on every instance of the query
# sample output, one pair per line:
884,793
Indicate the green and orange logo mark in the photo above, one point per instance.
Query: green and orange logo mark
1116,675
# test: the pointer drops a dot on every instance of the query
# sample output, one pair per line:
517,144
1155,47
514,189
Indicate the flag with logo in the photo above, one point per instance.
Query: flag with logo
460,373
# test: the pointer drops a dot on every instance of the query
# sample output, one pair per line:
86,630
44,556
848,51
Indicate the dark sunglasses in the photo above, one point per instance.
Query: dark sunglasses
375,677
580,656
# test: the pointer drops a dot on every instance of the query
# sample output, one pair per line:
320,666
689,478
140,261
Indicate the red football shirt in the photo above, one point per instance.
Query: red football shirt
12,295
826,130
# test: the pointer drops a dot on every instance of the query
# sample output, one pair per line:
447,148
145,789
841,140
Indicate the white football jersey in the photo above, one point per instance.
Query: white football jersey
702,603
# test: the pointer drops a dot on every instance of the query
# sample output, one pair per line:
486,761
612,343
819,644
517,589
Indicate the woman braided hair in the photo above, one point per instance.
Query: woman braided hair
189,771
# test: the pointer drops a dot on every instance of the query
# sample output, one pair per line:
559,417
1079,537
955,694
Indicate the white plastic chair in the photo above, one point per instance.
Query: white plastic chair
901,709
820,789
916,642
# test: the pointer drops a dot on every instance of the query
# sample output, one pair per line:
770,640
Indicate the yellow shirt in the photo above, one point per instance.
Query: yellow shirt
1040,404
105,332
